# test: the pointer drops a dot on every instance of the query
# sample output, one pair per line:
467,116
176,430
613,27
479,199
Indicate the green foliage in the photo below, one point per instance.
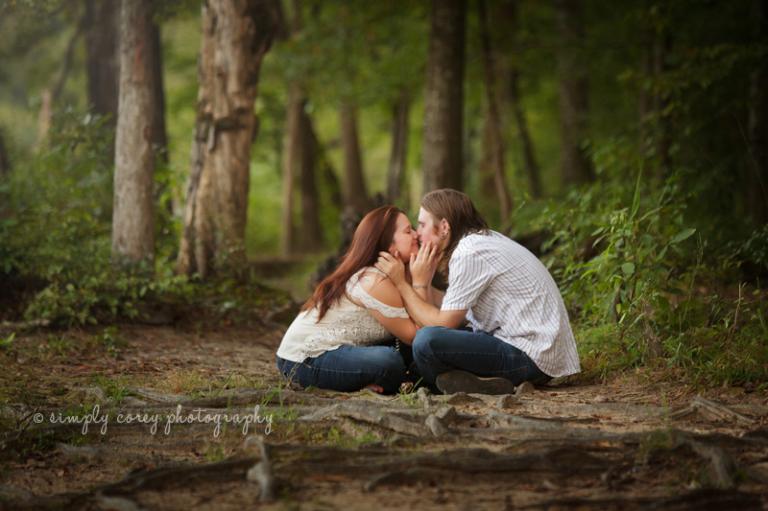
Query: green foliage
644,283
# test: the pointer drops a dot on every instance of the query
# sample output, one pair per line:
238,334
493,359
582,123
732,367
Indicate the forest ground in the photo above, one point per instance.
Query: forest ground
636,440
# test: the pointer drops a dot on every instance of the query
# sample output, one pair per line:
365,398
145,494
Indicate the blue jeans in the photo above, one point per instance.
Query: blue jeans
438,349
348,369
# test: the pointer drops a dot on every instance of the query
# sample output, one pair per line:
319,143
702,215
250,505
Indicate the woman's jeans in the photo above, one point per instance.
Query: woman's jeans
348,369
438,349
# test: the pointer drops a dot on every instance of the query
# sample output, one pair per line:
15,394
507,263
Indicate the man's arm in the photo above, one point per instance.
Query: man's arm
416,296
426,314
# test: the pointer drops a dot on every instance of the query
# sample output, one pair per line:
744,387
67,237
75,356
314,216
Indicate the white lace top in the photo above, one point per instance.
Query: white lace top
345,323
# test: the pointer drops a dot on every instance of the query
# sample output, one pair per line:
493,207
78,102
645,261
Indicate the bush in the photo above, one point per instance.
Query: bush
645,288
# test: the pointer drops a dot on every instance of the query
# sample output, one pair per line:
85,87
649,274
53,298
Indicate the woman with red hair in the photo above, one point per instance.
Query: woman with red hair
338,339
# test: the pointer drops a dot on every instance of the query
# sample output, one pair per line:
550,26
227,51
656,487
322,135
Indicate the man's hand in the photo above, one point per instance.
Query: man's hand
424,264
392,266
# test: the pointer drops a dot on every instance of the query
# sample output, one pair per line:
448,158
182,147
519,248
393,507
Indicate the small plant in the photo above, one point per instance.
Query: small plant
6,342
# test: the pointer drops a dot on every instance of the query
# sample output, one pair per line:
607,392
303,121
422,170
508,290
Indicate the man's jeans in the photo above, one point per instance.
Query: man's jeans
348,369
438,349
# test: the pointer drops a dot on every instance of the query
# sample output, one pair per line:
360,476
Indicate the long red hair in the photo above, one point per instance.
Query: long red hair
373,235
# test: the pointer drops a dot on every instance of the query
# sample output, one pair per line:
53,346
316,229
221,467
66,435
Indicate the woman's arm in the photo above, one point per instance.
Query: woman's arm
383,290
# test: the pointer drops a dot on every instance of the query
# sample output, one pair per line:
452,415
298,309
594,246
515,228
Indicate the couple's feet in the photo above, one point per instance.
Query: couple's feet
455,381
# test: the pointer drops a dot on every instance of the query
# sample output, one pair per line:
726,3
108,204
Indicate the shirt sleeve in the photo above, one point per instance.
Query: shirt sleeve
468,276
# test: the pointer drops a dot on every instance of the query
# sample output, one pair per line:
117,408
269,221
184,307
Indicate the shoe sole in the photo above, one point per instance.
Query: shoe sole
452,382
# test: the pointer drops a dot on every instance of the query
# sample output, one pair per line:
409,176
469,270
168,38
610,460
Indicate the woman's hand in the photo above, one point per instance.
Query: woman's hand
392,266
424,264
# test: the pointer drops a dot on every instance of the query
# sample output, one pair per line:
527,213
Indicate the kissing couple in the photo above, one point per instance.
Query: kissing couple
500,322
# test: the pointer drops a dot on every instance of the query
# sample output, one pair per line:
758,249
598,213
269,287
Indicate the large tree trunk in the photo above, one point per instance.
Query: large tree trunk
399,153
101,21
514,98
494,139
757,191
443,100
355,192
133,215
236,35
572,70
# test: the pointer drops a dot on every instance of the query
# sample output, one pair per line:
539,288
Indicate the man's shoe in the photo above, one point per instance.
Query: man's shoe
452,382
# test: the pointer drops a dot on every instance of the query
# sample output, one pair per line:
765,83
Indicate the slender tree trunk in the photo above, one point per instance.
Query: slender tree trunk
311,232
5,160
662,46
399,152
575,165
102,66
292,149
757,191
532,168
514,98
299,161
159,133
236,36
495,138
133,213
355,192
443,100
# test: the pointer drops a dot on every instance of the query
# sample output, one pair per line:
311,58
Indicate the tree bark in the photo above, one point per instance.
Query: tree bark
399,152
159,133
311,232
443,100
236,36
133,213
515,100
757,182
292,149
102,66
299,161
355,192
494,139
5,161
575,165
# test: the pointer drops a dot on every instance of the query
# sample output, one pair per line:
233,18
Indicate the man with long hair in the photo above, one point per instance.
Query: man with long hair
518,325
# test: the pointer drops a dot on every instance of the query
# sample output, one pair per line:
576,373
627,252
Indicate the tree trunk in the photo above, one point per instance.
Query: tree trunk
5,161
133,216
159,133
292,149
101,21
399,153
443,100
236,35
575,165
299,160
514,98
495,137
355,193
757,191
311,234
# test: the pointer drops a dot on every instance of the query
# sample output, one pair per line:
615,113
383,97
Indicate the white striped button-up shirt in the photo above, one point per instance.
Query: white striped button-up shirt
508,293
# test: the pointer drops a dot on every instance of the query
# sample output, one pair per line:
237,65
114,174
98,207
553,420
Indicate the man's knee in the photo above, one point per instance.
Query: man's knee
422,343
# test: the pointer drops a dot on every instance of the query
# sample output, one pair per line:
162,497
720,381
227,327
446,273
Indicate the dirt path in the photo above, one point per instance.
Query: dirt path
629,443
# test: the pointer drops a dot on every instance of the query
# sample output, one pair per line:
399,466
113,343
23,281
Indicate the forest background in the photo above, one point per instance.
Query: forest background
626,143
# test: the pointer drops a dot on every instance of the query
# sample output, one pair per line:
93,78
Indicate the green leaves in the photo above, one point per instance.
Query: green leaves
682,235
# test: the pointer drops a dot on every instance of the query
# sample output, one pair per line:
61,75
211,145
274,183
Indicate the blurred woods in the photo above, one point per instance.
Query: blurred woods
150,148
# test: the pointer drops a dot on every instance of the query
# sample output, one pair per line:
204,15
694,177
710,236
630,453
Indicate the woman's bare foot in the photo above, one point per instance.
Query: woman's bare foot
376,388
